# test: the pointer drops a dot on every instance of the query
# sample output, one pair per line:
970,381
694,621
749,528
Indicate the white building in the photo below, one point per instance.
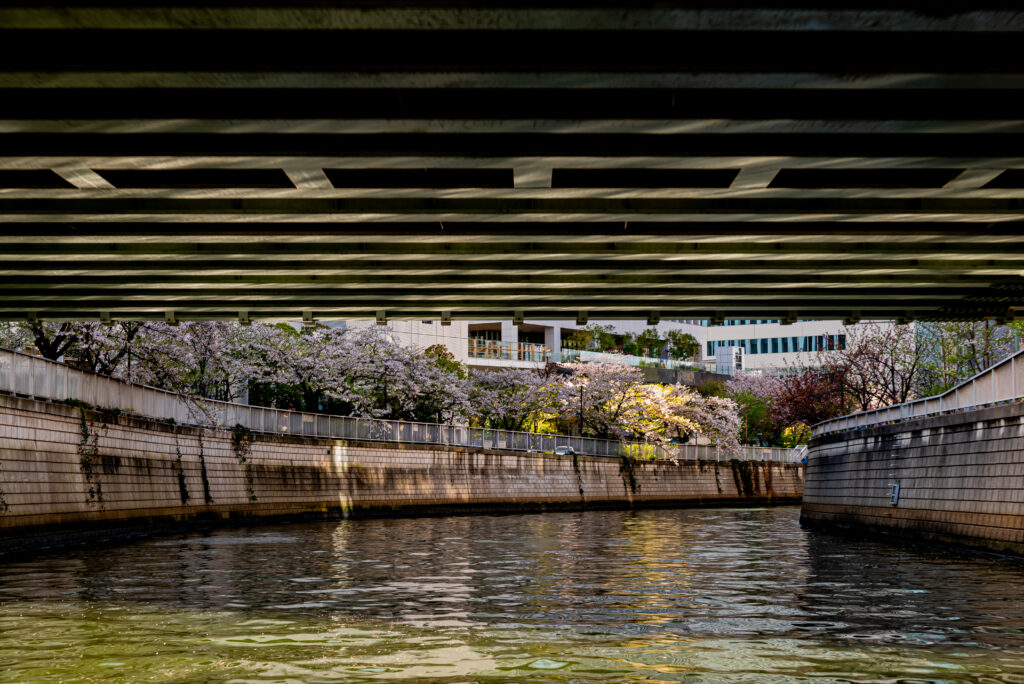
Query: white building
768,345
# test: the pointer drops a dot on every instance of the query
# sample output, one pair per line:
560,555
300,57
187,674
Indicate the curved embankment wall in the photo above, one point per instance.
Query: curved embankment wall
66,470
961,479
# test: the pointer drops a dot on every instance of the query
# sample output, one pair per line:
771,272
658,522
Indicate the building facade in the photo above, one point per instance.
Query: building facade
766,346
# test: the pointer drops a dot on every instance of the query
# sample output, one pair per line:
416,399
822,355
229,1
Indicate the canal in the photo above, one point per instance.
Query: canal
652,596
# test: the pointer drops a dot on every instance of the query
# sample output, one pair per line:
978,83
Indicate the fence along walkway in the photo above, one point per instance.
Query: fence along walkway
1002,382
32,376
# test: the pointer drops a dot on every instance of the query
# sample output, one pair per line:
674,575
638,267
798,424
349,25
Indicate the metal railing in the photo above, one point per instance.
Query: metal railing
507,351
1002,382
35,377
585,356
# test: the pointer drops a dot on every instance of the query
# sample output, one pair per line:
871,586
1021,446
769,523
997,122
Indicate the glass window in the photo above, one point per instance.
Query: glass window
785,345
842,342
764,345
775,345
753,346
710,350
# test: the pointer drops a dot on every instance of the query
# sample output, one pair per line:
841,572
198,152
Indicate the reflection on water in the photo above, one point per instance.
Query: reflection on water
653,596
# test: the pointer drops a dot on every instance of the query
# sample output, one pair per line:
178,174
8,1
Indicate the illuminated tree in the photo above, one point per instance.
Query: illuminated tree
509,398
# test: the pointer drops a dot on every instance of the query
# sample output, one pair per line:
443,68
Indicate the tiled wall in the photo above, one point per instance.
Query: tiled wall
55,475
961,478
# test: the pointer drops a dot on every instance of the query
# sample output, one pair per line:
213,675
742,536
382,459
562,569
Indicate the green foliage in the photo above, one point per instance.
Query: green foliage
713,388
276,394
78,403
795,436
760,422
88,451
629,344
627,469
594,337
682,345
649,343
445,360
957,350
242,439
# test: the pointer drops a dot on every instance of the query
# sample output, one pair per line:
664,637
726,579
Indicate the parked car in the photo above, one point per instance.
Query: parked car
565,451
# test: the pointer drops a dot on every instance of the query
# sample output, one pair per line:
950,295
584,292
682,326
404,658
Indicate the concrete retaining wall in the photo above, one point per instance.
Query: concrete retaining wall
961,479
65,470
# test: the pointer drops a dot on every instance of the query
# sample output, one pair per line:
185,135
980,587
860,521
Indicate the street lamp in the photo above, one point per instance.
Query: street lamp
581,410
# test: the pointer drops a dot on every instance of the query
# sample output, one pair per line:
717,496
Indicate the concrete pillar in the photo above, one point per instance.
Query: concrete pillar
509,332
553,338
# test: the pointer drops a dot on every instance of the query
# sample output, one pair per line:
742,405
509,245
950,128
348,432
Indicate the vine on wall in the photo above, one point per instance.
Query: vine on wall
179,466
88,452
627,468
241,441
202,468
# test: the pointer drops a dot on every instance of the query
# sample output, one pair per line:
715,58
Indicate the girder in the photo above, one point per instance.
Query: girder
413,158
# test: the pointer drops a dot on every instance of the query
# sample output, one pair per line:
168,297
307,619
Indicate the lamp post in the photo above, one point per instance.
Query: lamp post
581,410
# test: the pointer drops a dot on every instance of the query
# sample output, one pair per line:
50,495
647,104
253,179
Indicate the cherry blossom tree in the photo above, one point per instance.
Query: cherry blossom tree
508,398
678,414
196,358
809,397
86,345
385,380
316,360
15,336
879,366
601,396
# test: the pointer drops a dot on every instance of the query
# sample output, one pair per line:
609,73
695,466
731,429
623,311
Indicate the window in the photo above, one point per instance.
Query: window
753,346
775,345
785,345
764,346
711,352
842,342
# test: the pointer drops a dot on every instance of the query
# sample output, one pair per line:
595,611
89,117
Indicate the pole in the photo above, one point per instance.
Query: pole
581,410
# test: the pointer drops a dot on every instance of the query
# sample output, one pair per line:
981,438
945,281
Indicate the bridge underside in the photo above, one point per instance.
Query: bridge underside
415,160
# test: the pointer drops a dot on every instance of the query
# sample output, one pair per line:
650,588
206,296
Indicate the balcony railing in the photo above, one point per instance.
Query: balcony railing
508,351
34,377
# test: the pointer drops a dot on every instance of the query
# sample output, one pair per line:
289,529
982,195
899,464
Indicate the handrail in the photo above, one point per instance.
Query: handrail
996,384
33,376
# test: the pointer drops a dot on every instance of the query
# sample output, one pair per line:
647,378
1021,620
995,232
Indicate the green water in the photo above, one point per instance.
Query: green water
654,596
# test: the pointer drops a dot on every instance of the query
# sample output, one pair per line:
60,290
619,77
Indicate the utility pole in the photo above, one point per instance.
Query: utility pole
581,410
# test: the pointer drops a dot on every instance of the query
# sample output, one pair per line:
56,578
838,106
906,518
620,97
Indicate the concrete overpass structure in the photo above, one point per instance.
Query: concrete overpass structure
591,159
